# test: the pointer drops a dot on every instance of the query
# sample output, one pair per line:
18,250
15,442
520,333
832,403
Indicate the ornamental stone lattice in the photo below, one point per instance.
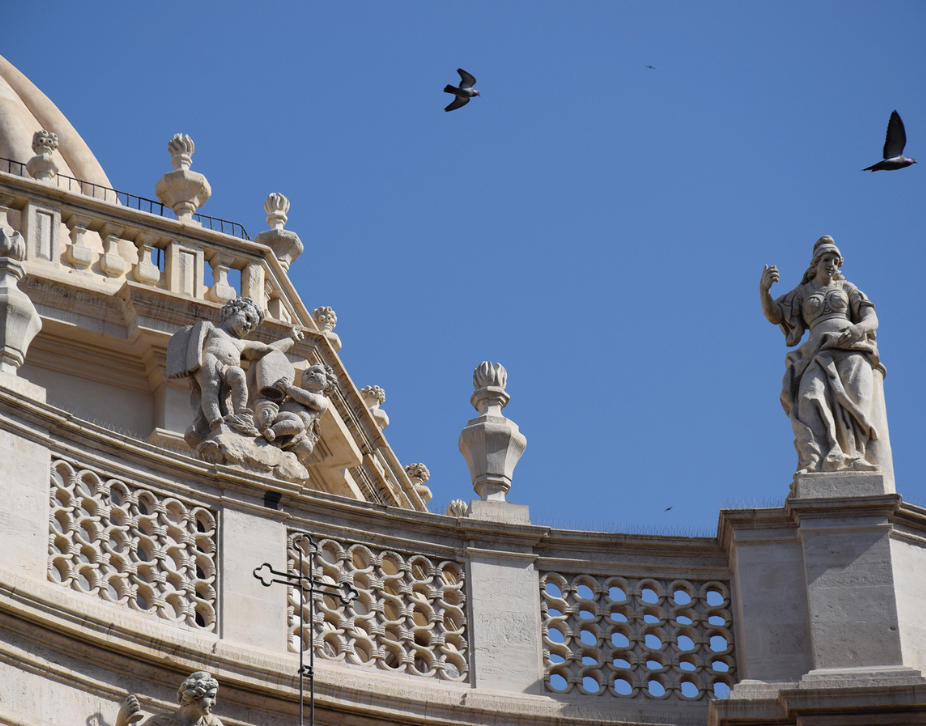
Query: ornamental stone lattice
632,637
129,545
410,616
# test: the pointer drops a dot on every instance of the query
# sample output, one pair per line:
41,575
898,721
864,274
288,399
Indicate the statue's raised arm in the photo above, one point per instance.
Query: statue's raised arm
832,390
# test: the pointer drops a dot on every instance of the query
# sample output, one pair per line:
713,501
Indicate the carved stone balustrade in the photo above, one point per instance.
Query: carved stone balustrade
146,272
78,254
111,264
221,291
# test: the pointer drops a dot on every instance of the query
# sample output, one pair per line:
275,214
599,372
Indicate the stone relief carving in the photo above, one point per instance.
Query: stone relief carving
832,389
196,696
128,545
259,420
410,616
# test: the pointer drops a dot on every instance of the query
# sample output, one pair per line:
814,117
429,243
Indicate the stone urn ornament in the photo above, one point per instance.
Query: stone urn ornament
491,443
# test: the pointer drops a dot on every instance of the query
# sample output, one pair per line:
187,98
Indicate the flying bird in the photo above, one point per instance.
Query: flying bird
464,92
668,508
893,147
653,67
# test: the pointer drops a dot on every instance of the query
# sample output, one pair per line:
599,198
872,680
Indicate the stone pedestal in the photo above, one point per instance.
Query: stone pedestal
852,578
841,484
829,596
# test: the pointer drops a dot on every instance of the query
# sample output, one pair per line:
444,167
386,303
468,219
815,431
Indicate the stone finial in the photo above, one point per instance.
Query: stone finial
182,190
19,321
326,321
456,508
181,148
276,208
491,443
374,397
285,244
43,166
44,142
418,474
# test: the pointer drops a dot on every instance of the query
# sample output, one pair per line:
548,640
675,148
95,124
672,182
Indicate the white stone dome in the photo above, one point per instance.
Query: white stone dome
24,109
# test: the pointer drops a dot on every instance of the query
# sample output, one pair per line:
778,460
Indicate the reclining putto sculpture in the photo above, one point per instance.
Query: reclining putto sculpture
257,420
196,697
832,389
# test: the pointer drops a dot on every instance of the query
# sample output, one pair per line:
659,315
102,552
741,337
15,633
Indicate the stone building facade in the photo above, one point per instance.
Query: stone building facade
130,556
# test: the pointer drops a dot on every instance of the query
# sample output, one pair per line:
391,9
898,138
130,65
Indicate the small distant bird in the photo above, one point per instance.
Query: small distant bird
653,67
464,92
668,508
893,147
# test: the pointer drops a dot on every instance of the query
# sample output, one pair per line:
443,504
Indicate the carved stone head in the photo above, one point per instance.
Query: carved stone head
241,303
44,142
319,377
198,685
417,473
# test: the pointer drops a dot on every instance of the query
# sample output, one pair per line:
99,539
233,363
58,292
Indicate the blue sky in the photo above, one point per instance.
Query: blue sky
596,226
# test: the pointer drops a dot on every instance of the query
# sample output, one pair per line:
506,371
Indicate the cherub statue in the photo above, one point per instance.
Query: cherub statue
196,697
211,356
293,421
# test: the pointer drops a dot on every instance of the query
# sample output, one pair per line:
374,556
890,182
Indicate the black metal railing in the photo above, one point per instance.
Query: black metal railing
132,201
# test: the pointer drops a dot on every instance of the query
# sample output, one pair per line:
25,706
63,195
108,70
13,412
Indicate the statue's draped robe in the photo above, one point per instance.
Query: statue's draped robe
828,389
